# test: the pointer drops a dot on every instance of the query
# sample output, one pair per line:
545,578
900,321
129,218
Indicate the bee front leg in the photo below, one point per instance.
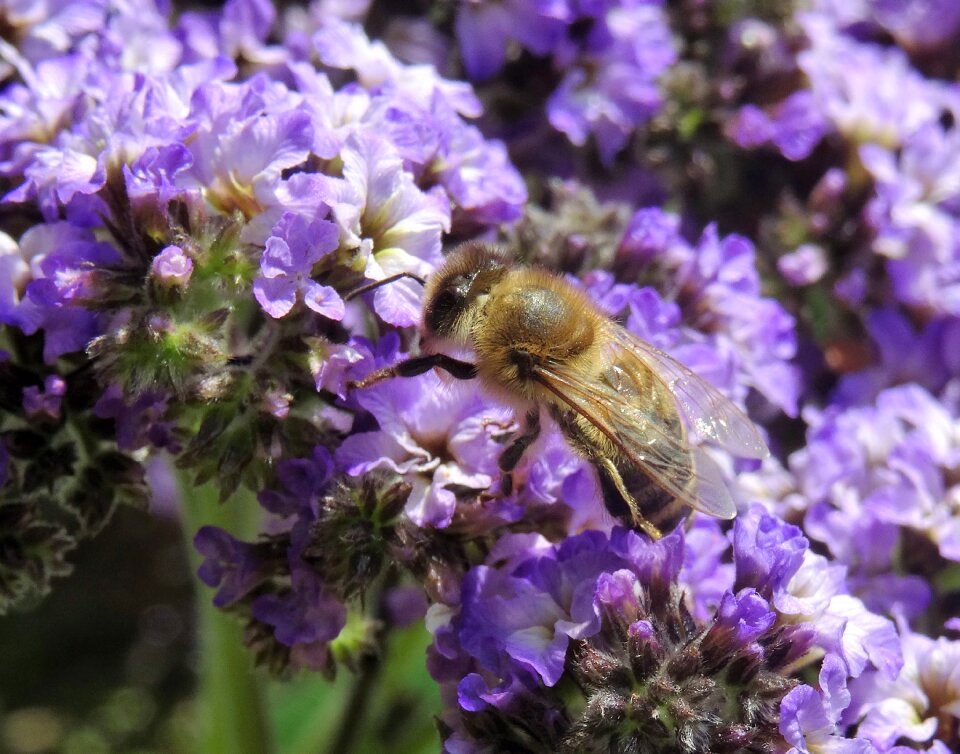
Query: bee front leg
510,457
461,370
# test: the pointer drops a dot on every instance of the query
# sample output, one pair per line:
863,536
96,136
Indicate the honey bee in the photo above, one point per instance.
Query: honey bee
634,412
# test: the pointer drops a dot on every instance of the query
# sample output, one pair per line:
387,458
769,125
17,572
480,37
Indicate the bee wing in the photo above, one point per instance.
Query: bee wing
616,406
642,437
709,414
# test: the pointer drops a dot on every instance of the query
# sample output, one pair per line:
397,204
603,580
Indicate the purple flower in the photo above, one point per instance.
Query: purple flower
606,613
773,557
140,423
172,267
286,265
14,274
438,436
65,266
705,573
927,357
303,480
795,126
240,148
717,288
484,30
916,215
551,472
231,566
893,458
335,364
918,25
45,404
768,553
810,718
525,617
484,186
392,225
306,615
344,45
612,88
867,92
921,704
804,265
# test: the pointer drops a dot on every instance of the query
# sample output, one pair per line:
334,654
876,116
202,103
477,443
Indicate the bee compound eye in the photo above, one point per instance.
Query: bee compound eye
444,309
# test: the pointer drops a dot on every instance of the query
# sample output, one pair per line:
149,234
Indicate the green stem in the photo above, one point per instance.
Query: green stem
231,717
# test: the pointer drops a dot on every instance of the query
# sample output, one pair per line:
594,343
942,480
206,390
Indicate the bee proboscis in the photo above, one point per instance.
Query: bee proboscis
633,411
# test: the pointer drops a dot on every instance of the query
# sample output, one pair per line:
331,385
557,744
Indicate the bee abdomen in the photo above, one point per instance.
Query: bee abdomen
658,506
617,476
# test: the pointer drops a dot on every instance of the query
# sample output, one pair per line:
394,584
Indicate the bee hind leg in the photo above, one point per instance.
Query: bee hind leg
610,476
511,456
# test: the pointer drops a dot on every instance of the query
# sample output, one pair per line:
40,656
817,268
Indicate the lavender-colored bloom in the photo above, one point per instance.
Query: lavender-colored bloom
44,404
393,226
51,28
916,214
241,150
804,265
892,459
483,185
140,423
484,30
774,558
921,704
868,93
422,115
334,364
919,26
613,89
810,718
533,613
64,282
551,473
707,573
14,274
345,45
303,480
172,266
306,615
720,282
231,566
867,475
600,609
795,126
286,265
927,357
438,436
768,553
717,287
38,108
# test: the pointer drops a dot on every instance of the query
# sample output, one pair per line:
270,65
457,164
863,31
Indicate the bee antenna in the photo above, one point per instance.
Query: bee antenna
360,290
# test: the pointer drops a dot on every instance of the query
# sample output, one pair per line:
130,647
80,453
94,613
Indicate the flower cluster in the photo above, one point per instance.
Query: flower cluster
218,225
603,60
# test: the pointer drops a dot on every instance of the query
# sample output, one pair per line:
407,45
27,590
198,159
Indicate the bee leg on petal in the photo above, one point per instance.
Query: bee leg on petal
610,476
511,456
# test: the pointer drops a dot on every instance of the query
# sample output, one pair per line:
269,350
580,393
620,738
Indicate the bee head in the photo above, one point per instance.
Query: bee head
469,272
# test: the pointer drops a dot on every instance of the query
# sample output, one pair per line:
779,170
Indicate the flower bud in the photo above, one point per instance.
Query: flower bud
171,267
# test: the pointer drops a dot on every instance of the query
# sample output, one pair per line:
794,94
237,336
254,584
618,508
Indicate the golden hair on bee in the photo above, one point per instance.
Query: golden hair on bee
541,345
